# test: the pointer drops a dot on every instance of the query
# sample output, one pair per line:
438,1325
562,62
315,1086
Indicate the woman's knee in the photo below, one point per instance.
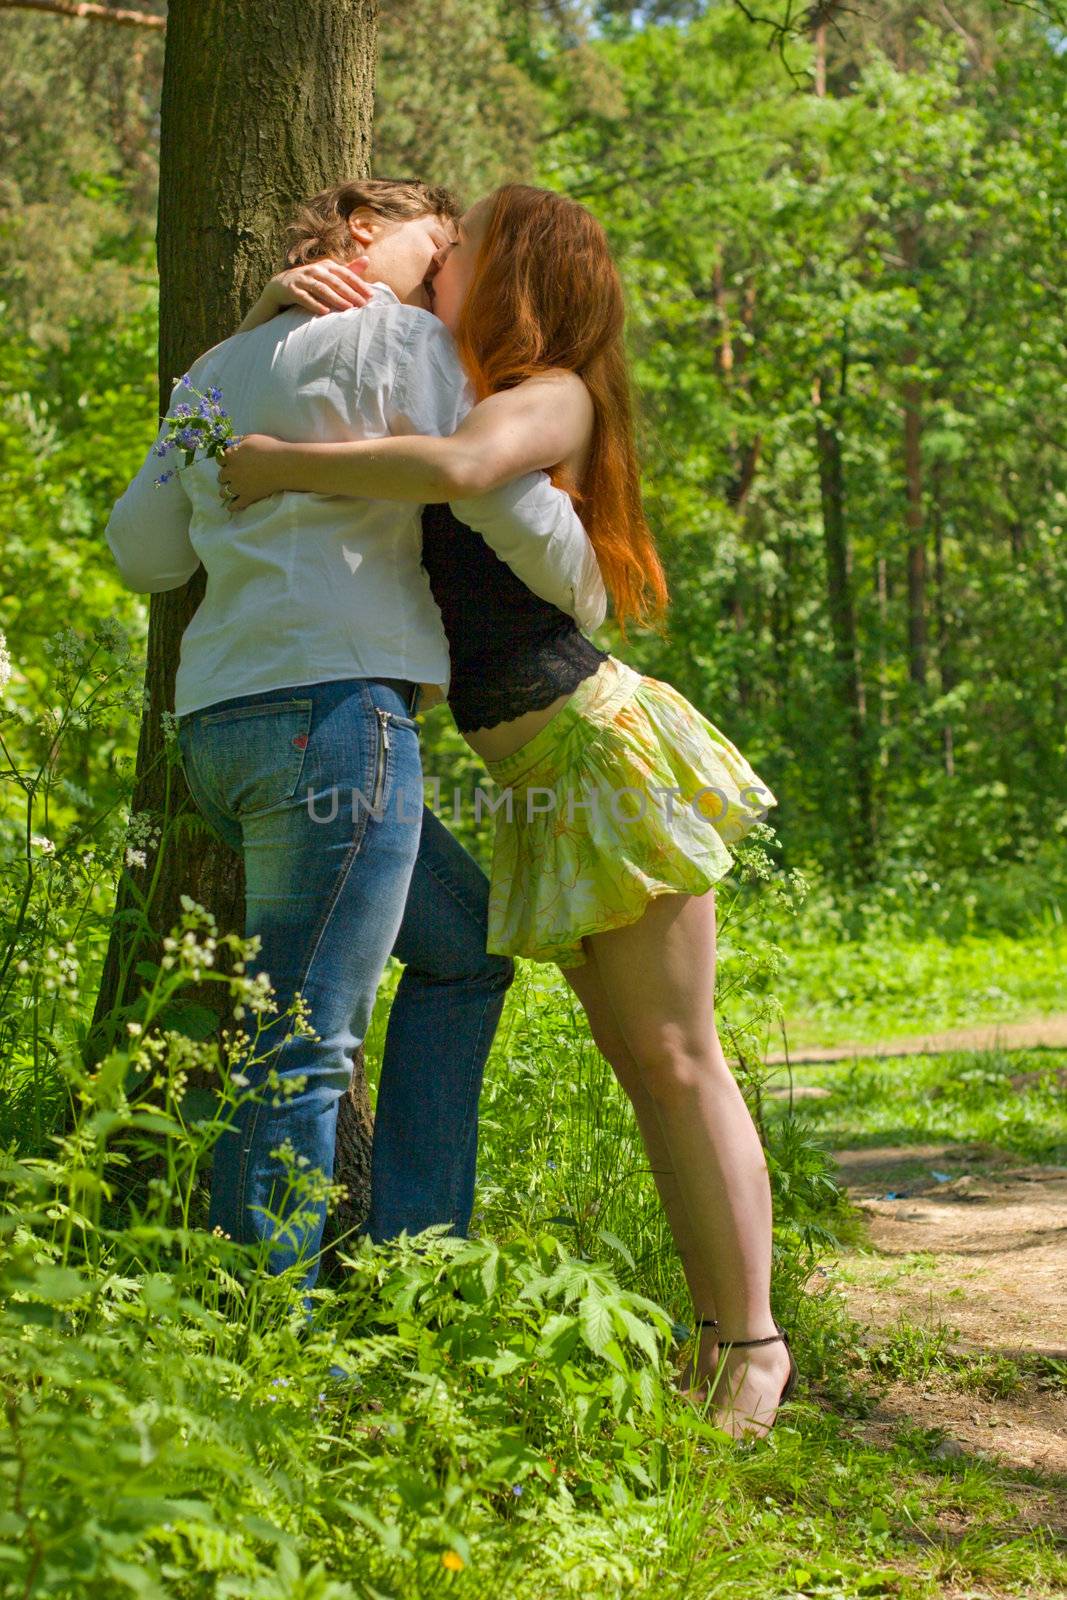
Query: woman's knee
674,1071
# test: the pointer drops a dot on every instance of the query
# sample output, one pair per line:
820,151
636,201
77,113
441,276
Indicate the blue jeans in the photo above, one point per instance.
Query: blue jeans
319,788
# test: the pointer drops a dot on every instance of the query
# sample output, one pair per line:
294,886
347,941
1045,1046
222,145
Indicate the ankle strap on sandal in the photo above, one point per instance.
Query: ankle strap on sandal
746,1344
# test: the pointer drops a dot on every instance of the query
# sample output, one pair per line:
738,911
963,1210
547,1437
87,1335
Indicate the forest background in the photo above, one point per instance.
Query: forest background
844,265
841,237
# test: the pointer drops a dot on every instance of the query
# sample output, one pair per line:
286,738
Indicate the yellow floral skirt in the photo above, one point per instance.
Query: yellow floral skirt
628,793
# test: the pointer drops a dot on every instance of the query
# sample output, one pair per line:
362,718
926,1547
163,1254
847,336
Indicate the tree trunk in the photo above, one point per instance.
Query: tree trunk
261,107
883,669
916,538
841,607
783,619
913,481
946,665
828,401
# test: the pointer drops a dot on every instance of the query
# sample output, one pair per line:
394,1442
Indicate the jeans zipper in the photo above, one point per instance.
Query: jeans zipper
383,746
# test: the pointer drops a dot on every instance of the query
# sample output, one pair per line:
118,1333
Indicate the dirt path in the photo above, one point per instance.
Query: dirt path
1033,1033
966,1245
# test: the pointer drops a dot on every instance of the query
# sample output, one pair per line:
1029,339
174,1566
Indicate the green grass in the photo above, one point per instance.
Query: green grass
966,1098
172,1434
840,991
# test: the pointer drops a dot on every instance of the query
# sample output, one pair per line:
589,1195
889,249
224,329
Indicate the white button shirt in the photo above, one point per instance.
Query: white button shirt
302,588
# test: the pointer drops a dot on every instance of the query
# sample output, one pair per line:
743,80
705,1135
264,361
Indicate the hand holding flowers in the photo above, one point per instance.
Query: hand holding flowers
206,428
252,467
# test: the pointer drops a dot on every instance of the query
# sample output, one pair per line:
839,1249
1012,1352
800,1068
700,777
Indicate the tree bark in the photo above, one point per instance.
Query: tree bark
913,480
842,610
828,397
945,661
883,669
261,106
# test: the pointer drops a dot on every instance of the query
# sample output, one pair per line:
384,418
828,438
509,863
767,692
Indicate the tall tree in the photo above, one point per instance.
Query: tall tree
829,396
450,106
261,106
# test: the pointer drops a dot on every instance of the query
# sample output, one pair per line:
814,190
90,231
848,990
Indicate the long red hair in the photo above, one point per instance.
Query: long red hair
546,293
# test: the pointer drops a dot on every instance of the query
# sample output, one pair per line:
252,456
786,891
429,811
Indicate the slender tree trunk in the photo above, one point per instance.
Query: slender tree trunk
883,668
916,532
842,612
861,686
783,618
261,106
913,480
946,665
828,395
744,457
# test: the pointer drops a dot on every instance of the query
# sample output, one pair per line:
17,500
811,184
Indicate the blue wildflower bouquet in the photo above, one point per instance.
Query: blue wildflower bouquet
207,427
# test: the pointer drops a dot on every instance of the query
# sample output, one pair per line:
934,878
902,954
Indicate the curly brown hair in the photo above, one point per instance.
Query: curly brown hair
320,227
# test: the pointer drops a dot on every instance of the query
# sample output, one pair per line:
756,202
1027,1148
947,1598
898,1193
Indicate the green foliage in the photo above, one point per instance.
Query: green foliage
167,1426
1013,1102
450,106
79,158
508,1381
891,242
511,1428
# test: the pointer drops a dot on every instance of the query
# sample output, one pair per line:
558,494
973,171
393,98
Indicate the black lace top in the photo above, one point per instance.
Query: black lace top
510,651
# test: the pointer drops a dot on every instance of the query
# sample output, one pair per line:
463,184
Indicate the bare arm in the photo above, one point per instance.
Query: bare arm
533,426
317,286
530,524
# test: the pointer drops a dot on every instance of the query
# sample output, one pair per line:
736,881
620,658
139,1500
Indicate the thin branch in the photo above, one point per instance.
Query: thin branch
974,48
1048,12
581,191
76,8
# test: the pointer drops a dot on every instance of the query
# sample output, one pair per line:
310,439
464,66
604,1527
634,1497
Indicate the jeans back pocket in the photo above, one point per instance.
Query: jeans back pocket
251,758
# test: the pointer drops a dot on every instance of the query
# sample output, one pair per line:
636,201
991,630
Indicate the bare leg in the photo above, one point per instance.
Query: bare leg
658,975
588,985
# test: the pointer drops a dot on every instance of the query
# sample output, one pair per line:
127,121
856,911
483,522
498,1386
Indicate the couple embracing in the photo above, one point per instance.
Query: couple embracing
426,400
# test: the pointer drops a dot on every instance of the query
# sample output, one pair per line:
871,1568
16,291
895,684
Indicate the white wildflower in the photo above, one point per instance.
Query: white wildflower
142,831
113,636
67,646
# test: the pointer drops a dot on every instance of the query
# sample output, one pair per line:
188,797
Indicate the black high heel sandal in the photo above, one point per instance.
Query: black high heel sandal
772,1338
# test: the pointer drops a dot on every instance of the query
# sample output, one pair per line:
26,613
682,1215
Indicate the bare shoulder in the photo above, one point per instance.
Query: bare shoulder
560,386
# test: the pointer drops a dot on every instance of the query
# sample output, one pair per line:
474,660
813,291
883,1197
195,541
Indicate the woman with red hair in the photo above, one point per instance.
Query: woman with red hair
620,896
